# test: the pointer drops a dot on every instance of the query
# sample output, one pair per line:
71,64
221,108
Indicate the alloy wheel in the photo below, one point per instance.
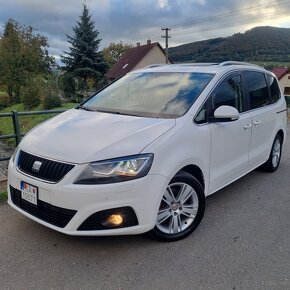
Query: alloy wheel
276,153
178,208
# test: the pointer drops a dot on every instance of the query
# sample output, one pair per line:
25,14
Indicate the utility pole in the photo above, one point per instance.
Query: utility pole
166,36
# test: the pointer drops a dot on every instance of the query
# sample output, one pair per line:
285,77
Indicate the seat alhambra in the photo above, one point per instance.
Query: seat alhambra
143,153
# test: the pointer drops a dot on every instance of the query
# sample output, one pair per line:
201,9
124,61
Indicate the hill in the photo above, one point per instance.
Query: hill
258,44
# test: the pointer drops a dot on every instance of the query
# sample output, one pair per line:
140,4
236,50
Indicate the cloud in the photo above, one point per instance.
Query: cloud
137,20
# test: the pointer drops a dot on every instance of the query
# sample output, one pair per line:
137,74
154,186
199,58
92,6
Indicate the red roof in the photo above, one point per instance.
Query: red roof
280,71
130,59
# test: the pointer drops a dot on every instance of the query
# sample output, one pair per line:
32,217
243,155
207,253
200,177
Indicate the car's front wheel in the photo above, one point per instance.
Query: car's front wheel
181,208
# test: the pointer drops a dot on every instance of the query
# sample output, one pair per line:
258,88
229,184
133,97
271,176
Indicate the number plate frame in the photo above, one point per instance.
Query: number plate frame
29,193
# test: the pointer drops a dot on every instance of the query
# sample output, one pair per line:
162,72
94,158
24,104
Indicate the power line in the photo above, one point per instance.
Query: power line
228,14
229,24
210,19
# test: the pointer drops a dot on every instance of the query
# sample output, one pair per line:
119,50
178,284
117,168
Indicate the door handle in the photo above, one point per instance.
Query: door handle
247,126
257,123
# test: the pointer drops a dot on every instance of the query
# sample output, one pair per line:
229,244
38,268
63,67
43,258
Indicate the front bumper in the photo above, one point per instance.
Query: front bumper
142,195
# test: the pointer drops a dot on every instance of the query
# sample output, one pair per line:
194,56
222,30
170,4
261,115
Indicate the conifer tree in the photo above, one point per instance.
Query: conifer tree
83,59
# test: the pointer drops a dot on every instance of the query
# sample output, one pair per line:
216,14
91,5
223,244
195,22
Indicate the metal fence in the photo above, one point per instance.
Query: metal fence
15,119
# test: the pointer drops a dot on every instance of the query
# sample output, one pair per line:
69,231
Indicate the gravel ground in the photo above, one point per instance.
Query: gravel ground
5,151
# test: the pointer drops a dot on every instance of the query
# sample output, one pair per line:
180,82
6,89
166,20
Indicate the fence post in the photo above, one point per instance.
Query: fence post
16,127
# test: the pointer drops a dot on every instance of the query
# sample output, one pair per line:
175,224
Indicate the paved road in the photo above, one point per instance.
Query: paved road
242,243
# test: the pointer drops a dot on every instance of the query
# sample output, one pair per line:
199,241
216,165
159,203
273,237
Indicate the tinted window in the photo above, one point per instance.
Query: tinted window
229,93
257,88
274,89
151,94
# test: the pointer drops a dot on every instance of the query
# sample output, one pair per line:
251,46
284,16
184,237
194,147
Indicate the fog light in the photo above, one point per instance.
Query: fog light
113,220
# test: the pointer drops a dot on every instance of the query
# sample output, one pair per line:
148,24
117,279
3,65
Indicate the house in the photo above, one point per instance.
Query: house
137,57
283,75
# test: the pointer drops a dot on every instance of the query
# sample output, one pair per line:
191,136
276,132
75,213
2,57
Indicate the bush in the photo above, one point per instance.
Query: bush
4,103
30,96
68,85
51,101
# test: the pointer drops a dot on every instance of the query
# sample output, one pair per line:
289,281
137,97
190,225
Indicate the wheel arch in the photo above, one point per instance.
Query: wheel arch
196,172
281,134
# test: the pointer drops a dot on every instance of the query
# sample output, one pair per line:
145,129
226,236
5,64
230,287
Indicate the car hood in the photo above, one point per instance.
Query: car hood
79,136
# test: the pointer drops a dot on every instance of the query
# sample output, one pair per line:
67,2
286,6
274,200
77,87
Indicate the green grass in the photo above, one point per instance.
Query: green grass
26,122
3,94
3,196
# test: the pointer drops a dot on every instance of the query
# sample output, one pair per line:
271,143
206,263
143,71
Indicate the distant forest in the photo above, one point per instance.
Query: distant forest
258,44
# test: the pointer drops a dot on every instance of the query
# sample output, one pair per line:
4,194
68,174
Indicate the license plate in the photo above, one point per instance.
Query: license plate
29,192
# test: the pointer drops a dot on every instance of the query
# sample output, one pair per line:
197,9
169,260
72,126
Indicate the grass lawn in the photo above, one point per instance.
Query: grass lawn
26,122
3,94
3,196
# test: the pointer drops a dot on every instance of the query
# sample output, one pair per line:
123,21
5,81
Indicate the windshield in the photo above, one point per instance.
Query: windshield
159,95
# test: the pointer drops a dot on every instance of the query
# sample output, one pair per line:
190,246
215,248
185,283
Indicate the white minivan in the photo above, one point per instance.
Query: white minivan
143,153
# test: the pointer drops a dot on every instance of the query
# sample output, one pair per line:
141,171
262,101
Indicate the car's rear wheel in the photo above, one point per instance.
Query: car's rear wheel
273,161
181,208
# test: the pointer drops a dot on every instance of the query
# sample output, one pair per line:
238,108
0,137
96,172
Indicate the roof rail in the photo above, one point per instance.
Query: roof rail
225,63
198,64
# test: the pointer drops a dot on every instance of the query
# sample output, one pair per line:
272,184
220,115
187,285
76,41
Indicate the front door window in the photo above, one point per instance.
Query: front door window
229,93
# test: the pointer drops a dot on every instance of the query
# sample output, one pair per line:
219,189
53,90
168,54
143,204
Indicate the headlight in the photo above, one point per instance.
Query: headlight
116,170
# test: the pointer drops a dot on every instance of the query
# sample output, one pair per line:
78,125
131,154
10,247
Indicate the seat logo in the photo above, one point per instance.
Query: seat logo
36,166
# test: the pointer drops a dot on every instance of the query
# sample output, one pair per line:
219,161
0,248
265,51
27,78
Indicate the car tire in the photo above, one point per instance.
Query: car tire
181,208
272,164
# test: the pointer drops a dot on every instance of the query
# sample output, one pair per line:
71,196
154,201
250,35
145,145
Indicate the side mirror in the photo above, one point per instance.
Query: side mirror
226,114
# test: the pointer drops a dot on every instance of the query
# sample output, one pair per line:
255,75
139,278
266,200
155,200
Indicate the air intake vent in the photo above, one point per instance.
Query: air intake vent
51,214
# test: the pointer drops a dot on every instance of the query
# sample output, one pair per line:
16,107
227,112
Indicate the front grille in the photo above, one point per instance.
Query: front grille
51,171
54,215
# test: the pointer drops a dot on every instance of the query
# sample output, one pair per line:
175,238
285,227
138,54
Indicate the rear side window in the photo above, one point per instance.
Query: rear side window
256,85
274,89
229,93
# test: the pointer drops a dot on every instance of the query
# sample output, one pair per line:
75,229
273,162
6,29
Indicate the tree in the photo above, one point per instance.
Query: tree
10,47
115,51
68,85
83,60
23,56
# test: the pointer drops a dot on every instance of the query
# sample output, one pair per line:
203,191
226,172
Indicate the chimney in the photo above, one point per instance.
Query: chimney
148,41
138,44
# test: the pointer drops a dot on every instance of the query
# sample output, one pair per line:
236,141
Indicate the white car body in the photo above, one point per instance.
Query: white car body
221,151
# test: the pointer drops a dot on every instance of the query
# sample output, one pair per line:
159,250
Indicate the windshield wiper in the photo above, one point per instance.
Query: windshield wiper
119,113
130,114
86,108
107,111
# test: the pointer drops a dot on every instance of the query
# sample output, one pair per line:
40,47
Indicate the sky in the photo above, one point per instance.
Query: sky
132,21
